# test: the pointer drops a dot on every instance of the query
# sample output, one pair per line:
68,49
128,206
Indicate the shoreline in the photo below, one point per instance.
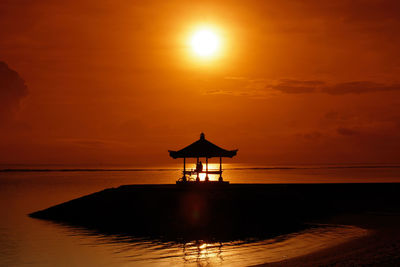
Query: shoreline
379,247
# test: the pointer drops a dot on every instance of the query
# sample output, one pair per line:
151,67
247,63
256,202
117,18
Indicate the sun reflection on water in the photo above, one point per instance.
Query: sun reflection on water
142,252
202,252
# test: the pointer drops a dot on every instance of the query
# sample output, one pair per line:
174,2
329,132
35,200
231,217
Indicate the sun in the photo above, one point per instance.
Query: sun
205,43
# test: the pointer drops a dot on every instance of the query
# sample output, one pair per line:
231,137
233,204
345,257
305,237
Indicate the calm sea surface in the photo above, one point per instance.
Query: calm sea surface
27,241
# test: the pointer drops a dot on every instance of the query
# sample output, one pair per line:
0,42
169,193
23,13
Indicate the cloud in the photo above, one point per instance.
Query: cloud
241,86
258,87
12,90
92,143
295,86
311,136
346,131
314,86
359,87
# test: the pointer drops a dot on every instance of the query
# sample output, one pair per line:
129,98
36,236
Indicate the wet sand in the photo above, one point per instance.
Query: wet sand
381,247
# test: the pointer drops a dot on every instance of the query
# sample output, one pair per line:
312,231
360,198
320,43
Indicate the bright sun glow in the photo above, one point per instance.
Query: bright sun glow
205,43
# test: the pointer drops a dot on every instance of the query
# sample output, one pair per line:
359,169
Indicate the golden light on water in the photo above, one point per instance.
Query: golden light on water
205,43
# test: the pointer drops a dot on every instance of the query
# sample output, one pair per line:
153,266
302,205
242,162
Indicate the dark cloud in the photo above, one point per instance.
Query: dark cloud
295,86
261,87
373,10
359,87
346,131
353,87
312,136
331,115
91,143
12,90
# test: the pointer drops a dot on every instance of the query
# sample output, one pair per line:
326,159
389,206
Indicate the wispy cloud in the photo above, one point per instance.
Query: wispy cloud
358,87
290,86
346,131
92,143
241,86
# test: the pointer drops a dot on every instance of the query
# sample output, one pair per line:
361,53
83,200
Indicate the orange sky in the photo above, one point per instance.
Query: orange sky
113,82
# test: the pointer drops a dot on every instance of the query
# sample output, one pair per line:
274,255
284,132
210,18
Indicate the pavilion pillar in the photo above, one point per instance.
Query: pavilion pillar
184,170
197,171
220,169
207,179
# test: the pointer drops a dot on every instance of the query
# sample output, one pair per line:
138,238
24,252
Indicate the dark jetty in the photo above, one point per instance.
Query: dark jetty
217,211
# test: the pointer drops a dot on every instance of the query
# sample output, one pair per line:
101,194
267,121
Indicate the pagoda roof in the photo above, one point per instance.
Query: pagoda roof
202,148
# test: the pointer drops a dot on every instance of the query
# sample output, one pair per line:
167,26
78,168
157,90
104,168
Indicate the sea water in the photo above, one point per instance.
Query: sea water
27,241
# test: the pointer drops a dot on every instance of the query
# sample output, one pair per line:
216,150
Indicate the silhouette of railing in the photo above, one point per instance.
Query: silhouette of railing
195,172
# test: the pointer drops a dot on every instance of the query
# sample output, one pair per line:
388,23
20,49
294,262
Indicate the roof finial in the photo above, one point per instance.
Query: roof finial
202,136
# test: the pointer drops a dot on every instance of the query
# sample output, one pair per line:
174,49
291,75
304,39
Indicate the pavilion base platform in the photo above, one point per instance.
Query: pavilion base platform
202,183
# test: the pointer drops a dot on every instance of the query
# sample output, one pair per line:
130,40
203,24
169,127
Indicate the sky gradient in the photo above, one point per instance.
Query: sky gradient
115,83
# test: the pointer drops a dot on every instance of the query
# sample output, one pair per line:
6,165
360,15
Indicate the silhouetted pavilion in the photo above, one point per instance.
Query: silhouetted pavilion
202,148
